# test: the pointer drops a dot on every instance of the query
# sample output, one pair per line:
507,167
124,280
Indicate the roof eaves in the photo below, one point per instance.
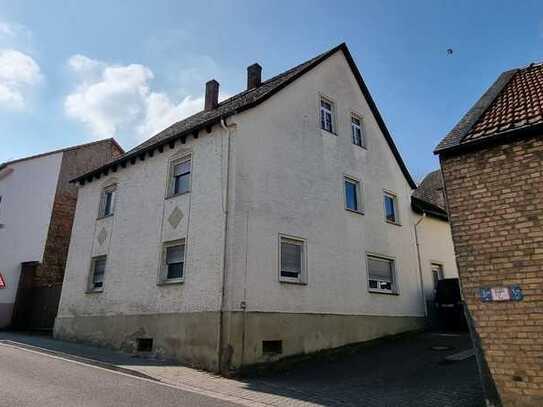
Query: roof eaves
420,206
455,137
62,150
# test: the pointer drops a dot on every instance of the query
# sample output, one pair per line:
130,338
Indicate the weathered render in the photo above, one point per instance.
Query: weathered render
37,205
262,168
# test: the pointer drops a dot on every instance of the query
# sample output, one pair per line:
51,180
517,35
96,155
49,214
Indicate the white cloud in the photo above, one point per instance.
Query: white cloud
18,74
114,100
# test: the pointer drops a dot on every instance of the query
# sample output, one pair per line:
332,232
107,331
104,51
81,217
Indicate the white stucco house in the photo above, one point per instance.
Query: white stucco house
274,223
37,204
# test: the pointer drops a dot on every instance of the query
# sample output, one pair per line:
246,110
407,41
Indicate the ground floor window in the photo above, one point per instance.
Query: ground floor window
292,254
97,272
173,262
381,274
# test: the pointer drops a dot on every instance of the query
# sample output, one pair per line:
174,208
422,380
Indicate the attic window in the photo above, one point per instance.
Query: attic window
327,115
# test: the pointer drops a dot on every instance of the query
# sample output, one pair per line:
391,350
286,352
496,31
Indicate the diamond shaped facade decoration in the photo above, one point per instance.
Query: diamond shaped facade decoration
102,236
175,217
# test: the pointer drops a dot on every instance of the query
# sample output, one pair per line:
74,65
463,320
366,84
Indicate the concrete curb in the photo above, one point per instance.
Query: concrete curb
81,359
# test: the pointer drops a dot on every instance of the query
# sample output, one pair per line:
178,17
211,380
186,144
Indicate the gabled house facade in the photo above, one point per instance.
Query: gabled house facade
37,206
274,223
492,164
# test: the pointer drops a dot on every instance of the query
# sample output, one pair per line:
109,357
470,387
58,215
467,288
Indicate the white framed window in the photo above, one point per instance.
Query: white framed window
359,137
353,194
437,272
180,171
327,115
292,260
391,208
381,274
97,273
173,262
107,201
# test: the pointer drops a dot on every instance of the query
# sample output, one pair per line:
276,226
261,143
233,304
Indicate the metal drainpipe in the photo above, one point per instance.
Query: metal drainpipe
420,262
225,209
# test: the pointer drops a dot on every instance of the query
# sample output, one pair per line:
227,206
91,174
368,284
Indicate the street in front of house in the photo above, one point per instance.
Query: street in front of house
29,378
405,371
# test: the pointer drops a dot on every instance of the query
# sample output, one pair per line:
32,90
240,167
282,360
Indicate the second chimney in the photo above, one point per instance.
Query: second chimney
254,76
212,95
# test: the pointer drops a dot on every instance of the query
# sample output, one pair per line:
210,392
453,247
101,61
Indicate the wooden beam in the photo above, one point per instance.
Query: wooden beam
183,139
160,149
133,160
172,144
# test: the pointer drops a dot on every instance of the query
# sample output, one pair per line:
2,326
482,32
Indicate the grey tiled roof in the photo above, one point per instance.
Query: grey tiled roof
236,103
429,195
240,102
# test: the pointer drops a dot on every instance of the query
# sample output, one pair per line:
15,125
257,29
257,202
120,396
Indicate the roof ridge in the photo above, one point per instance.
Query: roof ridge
62,150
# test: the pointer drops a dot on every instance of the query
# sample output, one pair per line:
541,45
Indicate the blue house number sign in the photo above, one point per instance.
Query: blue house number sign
509,293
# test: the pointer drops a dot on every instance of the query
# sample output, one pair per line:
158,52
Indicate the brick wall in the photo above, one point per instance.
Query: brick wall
74,162
495,199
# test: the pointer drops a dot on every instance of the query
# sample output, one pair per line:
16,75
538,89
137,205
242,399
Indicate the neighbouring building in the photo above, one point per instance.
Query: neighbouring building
492,164
37,206
433,234
274,223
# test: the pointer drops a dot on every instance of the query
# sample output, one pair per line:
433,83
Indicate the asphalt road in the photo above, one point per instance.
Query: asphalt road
33,379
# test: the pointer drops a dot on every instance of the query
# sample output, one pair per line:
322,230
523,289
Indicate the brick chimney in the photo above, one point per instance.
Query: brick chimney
212,95
254,76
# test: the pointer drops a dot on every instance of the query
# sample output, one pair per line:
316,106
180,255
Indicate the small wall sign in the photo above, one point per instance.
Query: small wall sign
508,293
2,281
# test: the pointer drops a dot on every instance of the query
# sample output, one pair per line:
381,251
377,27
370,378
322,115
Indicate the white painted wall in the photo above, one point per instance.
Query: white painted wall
289,180
28,193
436,245
138,228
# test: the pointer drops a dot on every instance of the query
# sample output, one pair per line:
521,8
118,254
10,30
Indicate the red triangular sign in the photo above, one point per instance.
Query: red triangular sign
2,282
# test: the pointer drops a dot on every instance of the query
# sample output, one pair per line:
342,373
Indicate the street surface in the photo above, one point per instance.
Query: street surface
30,378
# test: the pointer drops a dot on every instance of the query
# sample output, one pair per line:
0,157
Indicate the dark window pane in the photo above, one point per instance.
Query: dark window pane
175,270
98,273
351,197
390,210
291,259
175,254
181,184
182,168
108,203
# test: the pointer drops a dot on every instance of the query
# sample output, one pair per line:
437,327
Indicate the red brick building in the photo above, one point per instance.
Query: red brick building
492,165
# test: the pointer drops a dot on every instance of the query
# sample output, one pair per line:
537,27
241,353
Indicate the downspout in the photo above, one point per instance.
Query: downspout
420,262
225,203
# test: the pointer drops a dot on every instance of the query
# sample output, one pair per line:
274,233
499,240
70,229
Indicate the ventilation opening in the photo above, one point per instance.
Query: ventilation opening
145,344
272,347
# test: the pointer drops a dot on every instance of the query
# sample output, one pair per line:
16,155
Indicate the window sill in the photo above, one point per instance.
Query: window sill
105,216
374,291
285,280
359,212
361,147
393,223
94,291
172,281
176,195
328,132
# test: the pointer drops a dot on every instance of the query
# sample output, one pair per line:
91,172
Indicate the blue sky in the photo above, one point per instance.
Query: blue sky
75,71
